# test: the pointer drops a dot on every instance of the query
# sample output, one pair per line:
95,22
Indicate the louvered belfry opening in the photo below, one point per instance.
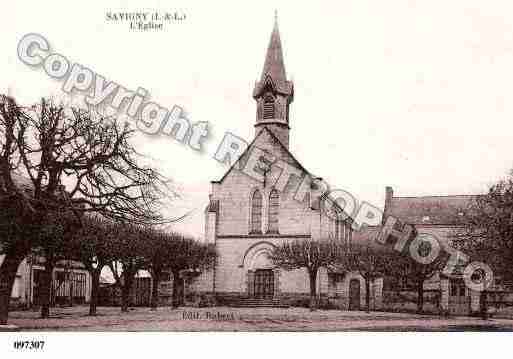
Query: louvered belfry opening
256,212
268,107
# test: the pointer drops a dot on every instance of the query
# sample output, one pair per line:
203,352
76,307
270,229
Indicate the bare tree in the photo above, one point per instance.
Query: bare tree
53,246
92,246
310,255
406,268
51,146
128,250
367,260
157,256
187,254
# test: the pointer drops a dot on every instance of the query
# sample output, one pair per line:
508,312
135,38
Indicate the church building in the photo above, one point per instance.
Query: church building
247,217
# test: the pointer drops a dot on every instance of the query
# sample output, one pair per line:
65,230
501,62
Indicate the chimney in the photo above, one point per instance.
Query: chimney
389,194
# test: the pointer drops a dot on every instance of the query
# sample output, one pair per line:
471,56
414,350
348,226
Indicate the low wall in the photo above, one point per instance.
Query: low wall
406,301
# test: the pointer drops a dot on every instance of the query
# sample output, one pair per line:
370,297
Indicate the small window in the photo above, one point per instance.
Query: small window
256,212
274,206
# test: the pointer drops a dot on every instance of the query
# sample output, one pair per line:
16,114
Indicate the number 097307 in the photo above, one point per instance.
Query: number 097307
29,344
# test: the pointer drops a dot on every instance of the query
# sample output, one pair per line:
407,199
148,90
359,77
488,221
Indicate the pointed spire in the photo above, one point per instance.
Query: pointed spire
273,93
274,65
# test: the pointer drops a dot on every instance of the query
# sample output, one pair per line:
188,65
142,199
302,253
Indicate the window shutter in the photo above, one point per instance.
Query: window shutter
268,107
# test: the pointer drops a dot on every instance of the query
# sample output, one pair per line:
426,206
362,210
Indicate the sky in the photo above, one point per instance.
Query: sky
409,94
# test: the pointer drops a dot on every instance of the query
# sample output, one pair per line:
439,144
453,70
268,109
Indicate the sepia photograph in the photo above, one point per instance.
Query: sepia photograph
303,176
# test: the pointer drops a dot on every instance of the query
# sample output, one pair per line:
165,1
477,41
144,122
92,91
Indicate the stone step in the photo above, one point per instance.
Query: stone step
257,303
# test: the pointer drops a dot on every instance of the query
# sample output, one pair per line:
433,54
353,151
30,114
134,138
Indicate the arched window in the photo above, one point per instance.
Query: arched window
256,212
274,209
268,107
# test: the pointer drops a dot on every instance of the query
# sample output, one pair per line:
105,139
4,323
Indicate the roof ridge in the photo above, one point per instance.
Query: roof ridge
264,128
439,196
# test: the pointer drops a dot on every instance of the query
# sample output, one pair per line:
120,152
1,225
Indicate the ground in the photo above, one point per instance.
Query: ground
246,319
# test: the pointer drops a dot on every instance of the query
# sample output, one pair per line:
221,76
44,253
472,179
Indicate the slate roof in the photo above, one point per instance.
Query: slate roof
433,210
274,67
244,156
366,235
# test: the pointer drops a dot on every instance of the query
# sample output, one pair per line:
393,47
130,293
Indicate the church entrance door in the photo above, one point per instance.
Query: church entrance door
354,294
264,283
459,301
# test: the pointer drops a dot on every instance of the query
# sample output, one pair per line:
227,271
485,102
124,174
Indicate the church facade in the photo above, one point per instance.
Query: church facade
247,216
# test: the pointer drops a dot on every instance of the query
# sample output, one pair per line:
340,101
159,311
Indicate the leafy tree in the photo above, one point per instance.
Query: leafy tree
49,145
487,230
486,233
310,255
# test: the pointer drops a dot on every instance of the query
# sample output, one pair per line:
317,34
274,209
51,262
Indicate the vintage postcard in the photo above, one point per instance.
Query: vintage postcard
262,166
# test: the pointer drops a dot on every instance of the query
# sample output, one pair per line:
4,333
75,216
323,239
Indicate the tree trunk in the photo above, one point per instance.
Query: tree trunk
313,289
155,289
95,286
46,290
367,294
177,290
420,296
125,291
8,270
71,289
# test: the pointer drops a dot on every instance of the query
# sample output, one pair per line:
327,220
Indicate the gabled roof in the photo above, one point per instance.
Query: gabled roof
436,210
245,154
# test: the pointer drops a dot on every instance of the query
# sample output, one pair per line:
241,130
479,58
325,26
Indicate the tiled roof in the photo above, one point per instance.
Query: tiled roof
446,210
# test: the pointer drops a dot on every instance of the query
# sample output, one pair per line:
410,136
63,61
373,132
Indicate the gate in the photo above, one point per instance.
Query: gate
264,283
459,301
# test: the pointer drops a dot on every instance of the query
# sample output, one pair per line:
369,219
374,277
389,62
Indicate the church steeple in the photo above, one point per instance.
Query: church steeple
273,93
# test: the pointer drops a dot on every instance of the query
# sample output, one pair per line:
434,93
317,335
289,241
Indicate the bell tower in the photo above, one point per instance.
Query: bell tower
273,93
